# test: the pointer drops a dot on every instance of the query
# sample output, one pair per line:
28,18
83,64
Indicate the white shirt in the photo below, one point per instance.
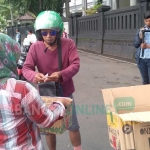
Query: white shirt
147,41
32,38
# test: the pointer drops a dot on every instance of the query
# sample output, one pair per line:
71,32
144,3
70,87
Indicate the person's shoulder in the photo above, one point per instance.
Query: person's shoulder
142,28
67,40
20,85
138,30
4,36
33,34
15,81
37,45
67,43
7,39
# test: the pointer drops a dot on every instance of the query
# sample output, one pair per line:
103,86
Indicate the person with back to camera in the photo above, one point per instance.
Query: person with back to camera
22,110
31,36
143,61
65,34
44,55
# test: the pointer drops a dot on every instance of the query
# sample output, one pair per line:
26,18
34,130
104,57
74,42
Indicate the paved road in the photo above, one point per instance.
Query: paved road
96,73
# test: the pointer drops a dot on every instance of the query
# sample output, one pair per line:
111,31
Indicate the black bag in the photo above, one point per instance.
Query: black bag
52,88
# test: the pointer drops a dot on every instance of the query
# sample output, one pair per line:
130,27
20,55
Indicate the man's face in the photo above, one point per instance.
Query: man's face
147,22
48,35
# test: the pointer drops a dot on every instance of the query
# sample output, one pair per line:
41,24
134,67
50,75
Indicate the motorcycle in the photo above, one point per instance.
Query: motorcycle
24,52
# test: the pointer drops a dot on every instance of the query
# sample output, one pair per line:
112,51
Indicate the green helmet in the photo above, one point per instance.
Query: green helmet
49,20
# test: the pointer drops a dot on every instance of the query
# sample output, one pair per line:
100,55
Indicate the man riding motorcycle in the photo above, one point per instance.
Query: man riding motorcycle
44,55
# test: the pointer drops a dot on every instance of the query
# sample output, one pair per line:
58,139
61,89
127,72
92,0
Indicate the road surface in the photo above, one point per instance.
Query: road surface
96,73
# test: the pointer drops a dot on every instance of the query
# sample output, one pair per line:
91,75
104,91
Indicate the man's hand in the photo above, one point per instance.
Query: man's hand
144,45
56,76
39,77
140,33
65,101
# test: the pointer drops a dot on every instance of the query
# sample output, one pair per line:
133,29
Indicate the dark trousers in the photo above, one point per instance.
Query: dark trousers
144,67
19,42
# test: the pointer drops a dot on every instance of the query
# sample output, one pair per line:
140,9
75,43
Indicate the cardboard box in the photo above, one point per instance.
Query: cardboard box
62,125
142,132
128,117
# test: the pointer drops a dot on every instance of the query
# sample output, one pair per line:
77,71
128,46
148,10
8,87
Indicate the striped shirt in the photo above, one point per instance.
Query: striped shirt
21,112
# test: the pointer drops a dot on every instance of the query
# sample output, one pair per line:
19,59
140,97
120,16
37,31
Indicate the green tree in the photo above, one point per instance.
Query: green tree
93,10
7,11
3,22
99,1
36,6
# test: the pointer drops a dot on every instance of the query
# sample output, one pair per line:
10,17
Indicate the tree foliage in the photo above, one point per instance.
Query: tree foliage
99,1
93,10
36,6
3,22
6,13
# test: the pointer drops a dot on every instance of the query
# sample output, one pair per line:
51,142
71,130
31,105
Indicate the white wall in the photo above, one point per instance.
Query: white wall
133,2
124,3
78,2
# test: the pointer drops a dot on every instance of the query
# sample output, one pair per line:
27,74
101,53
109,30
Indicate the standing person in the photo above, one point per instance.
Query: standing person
21,106
30,36
18,36
143,61
65,35
44,55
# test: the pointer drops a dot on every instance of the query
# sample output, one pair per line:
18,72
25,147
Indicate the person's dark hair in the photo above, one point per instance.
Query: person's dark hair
147,14
17,30
30,30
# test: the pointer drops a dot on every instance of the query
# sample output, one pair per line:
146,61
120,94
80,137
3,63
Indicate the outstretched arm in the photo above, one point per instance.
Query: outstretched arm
36,109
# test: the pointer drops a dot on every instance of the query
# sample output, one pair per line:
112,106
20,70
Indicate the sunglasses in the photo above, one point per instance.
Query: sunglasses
45,33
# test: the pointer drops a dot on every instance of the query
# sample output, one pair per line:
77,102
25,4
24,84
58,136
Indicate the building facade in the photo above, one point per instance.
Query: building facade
118,4
81,5
109,32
